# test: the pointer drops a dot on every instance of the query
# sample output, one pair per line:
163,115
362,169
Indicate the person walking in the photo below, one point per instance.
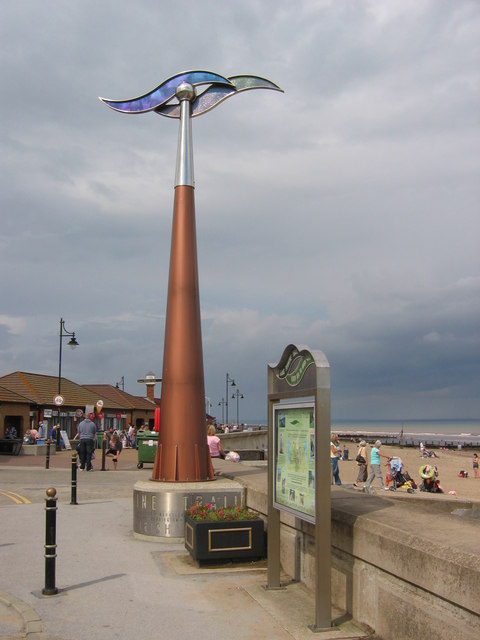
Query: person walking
375,468
335,453
87,432
362,463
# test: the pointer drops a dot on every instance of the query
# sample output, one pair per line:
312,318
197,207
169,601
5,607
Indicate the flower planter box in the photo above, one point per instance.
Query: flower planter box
234,539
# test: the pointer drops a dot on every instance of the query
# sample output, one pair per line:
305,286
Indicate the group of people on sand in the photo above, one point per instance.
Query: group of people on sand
428,473
362,462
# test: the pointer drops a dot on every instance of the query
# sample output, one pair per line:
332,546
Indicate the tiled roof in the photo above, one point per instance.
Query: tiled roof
41,389
10,396
120,398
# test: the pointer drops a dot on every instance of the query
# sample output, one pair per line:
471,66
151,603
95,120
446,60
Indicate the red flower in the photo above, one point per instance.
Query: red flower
209,512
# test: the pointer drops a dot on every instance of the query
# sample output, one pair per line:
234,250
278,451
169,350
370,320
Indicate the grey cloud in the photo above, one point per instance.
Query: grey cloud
342,214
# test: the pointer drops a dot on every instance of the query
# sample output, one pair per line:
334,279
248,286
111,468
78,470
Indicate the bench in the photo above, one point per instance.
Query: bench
9,447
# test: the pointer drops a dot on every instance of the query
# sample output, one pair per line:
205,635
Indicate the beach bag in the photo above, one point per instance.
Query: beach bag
360,459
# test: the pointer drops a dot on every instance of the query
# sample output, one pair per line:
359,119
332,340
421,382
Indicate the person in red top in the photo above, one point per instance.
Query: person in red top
214,444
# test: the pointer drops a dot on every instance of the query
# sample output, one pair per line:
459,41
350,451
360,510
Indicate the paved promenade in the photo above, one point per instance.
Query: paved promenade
112,585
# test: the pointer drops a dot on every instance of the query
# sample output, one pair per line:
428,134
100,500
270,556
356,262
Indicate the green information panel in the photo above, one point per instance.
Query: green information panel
294,461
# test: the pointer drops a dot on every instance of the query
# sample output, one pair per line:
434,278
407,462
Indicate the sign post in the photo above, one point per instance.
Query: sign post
299,467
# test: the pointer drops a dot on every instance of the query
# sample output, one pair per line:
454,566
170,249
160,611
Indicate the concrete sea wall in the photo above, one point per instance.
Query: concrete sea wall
408,569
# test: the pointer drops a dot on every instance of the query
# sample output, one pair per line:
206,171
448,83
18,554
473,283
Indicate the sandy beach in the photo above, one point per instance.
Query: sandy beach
448,463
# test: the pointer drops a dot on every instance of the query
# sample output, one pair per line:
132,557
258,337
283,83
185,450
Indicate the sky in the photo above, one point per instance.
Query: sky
342,214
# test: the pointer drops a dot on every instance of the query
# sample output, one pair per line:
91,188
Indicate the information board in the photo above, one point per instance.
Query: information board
294,461
65,439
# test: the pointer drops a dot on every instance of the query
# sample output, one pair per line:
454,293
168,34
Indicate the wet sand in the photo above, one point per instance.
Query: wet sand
448,463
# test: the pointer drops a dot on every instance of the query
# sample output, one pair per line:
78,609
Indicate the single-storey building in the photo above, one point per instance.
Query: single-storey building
28,398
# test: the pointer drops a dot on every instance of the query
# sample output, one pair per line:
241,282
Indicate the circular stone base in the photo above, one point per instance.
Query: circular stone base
159,507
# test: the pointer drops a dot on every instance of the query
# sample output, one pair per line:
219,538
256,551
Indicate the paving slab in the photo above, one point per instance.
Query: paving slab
112,585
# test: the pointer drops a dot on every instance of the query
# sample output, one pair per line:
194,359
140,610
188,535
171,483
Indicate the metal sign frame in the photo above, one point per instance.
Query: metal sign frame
299,375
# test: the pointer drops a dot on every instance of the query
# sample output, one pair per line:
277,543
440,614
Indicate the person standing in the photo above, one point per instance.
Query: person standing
131,435
362,463
475,465
42,430
375,468
87,432
335,453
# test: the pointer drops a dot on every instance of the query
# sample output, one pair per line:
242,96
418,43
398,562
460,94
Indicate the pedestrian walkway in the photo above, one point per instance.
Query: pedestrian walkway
112,585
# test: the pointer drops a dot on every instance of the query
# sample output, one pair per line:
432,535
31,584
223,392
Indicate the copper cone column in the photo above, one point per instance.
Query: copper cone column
183,454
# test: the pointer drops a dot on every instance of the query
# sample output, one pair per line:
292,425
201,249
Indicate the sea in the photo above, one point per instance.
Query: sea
462,432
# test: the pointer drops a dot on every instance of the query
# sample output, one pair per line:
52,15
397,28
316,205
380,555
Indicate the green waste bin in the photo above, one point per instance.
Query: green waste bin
100,439
147,442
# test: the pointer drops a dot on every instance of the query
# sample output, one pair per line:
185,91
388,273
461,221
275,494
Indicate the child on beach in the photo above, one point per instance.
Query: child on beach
475,465
430,481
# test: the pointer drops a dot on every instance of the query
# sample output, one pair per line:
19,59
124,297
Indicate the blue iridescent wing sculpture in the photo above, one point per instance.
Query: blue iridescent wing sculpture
164,92
202,103
217,93
243,82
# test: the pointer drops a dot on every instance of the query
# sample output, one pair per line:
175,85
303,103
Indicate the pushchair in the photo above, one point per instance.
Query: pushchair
398,477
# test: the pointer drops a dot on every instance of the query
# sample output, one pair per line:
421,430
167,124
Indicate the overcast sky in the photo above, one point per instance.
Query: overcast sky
342,214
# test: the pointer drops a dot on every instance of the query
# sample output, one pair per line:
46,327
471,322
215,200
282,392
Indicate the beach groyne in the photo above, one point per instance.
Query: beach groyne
406,439
257,438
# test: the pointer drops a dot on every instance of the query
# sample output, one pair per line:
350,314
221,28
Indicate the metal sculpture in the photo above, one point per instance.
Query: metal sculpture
182,454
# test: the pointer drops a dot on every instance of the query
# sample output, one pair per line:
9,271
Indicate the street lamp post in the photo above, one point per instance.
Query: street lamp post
222,403
227,380
208,405
72,344
238,396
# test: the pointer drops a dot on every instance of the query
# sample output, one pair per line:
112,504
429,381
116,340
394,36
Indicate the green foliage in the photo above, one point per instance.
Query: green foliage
209,512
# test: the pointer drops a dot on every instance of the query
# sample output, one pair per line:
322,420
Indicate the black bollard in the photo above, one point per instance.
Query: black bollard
50,542
73,499
47,457
104,447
